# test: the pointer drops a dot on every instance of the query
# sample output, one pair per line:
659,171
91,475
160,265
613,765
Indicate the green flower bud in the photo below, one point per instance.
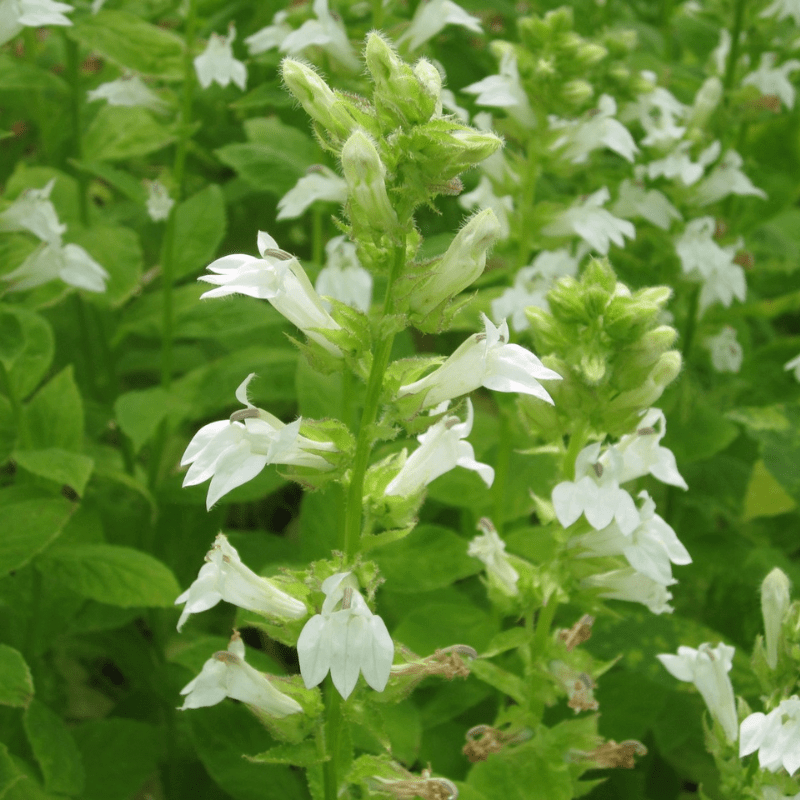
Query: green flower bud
430,80
774,605
590,53
577,92
566,301
667,368
705,102
560,20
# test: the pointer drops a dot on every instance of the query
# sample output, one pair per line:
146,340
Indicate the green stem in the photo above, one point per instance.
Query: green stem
577,441
380,360
75,100
502,466
691,322
543,623
528,195
733,55
333,727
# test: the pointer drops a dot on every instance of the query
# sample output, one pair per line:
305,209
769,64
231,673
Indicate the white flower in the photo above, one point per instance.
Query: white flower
596,226
641,453
769,80
233,452
491,550
433,15
631,586
442,448
658,112
636,201
505,90
326,32
269,37
776,736
705,102
595,493
216,63
343,278
596,130
485,359
278,277
726,352
227,674
34,212
678,163
319,183
707,668
159,203
775,599
482,197
346,638
225,577
794,365
129,90
780,9
725,179
69,262
650,548
18,14
720,54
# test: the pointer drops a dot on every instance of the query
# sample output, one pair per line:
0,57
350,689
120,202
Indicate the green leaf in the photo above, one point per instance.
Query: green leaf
127,40
54,418
16,682
121,180
303,754
200,226
9,774
55,749
19,75
31,520
8,429
139,413
61,466
701,434
119,132
765,496
501,679
118,576
27,365
12,337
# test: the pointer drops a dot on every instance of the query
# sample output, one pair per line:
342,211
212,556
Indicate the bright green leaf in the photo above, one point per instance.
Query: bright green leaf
765,496
139,413
199,228
17,74
61,466
119,132
27,366
55,749
9,774
303,754
54,418
16,682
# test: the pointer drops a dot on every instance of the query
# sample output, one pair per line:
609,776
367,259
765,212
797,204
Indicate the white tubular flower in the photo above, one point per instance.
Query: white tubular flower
631,586
433,15
678,163
318,184
442,448
346,638
726,352
725,179
781,9
491,550
485,359
596,226
326,32
34,212
776,736
707,668
794,366
642,453
278,277
769,80
69,263
225,577
129,90
774,605
597,130
159,203
216,63
270,37
227,674
658,112
483,196
18,14
595,493
343,278
233,452
636,201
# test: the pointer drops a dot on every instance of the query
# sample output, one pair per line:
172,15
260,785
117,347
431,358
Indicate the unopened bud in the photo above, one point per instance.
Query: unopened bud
705,102
774,604
589,53
430,80
364,172
667,368
577,91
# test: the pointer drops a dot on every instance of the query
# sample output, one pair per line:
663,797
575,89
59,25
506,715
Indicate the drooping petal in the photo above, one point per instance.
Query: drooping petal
314,651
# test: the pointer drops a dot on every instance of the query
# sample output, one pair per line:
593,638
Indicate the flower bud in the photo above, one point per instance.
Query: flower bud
430,80
369,204
589,53
774,604
705,101
577,91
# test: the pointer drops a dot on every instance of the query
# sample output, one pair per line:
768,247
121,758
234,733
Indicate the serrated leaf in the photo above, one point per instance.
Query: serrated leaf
499,678
118,576
200,226
54,417
16,681
61,466
303,754
55,750
119,132
27,366
19,75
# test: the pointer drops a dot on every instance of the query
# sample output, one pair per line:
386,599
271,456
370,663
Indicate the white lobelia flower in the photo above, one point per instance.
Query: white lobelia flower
659,113
441,448
433,15
596,226
233,452
598,129
227,674
18,14
485,359
770,80
483,197
726,352
278,277
636,201
129,90
326,32
225,577
69,263
159,203
345,638
505,90
781,9
343,278
776,736
34,212
650,548
631,586
707,668
678,163
595,493
216,63
641,452
318,184
725,179
270,37
794,366
491,550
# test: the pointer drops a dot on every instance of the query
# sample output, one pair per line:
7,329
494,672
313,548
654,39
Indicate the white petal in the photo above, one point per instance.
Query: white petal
376,661
314,651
